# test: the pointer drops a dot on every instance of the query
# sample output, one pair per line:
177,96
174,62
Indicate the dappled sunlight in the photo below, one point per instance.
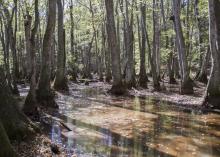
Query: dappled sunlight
103,125
115,119
184,146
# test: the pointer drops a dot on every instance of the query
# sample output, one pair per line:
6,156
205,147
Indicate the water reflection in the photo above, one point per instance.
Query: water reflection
105,126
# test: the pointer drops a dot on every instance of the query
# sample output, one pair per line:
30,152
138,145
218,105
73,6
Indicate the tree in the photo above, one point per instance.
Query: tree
129,46
156,37
108,73
72,47
142,75
14,125
45,95
203,76
31,100
11,43
213,87
60,80
153,56
117,87
186,82
27,29
5,145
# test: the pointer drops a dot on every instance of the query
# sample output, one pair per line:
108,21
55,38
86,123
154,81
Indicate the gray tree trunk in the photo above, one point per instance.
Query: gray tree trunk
186,82
129,39
155,63
5,145
213,88
73,51
117,87
30,105
27,28
11,43
203,75
45,95
14,125
142,44
61,80
156,35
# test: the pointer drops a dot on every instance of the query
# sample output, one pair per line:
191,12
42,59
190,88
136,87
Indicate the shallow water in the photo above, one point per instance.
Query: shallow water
105,126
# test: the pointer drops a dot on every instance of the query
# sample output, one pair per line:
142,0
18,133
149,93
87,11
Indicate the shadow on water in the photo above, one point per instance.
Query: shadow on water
106,126
114,144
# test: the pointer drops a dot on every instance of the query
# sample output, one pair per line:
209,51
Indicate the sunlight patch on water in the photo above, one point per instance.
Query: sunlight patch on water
104,126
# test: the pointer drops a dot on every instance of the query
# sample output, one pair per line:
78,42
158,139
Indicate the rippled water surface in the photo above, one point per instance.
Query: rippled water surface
105,126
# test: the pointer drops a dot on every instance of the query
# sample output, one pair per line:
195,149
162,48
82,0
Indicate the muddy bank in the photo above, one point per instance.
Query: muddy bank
169,94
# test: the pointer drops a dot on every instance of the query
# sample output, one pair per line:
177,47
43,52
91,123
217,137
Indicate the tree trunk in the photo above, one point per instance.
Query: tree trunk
14,125
186,82
213,88
105,54
11,43
156,36
61,80
108,74
5,145
203,76
117,87
171,71
6,46
27,28
53,58
142,44
30,105
73,51
155,63
87,59
129,39
199,26
45,95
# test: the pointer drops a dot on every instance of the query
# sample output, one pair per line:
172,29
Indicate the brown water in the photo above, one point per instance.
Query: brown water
106,126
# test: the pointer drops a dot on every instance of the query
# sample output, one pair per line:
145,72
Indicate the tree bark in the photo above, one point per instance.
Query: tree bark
45,95
5,145
129,39
73,51
108,74
14,125
27,28
117,87
142,44
61,80
11,43
203,75
30,105
155,63
5,45
186,82
156,35
213,87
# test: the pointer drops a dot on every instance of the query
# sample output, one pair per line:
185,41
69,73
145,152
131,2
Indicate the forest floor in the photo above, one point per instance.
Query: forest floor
40,145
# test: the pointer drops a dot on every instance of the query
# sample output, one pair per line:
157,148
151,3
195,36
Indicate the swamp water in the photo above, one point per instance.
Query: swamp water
100,125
